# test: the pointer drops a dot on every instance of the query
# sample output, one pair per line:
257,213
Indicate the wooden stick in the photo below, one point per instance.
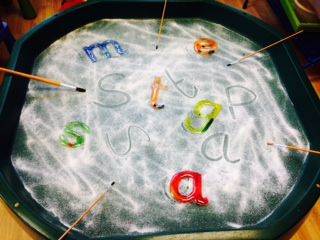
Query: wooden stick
265,48
161,22
100,197
295,148
41,79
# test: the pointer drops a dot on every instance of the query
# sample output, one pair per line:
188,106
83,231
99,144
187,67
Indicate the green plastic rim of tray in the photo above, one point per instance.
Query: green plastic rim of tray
288,6
12,98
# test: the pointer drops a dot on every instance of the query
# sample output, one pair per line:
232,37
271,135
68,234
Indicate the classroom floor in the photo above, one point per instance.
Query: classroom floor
10,226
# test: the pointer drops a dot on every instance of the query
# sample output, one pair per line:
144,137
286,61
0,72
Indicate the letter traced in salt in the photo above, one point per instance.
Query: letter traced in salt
246,183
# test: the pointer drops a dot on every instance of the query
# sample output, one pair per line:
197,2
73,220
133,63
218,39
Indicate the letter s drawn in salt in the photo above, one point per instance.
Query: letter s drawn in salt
225,148
233,104
116,76
130,128
175,83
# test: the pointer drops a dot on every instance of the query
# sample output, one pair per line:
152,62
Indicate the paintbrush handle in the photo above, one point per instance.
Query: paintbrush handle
33,77
270,46
101,196
302,149
161,22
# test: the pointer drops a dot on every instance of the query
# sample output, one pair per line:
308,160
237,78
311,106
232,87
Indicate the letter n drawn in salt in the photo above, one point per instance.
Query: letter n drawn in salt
103,47
249,97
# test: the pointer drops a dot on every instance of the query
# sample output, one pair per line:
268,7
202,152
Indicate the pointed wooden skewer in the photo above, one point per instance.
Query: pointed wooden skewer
161,22
265,48
99,198
41,79
294,148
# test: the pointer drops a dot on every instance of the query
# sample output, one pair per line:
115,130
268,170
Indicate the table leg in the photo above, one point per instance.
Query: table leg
6,35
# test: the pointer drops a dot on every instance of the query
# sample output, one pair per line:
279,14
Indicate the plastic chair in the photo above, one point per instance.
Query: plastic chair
26,7
6,36
66,4
308,43
245,4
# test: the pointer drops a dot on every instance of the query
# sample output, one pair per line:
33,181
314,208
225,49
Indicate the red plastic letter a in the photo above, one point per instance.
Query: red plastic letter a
195,196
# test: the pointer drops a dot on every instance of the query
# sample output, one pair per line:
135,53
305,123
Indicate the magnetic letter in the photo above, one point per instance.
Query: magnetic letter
73,136
195,196
103,48
197,116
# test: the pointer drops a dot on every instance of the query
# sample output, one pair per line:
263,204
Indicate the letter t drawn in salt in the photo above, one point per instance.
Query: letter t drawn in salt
195,196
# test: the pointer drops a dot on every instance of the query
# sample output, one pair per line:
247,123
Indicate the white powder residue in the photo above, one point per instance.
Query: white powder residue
140,148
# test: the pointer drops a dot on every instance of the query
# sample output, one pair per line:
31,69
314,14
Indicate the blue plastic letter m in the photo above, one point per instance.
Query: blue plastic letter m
103,48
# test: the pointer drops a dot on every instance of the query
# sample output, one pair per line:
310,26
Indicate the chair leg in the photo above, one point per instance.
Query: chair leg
245,4
314,61
27,9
